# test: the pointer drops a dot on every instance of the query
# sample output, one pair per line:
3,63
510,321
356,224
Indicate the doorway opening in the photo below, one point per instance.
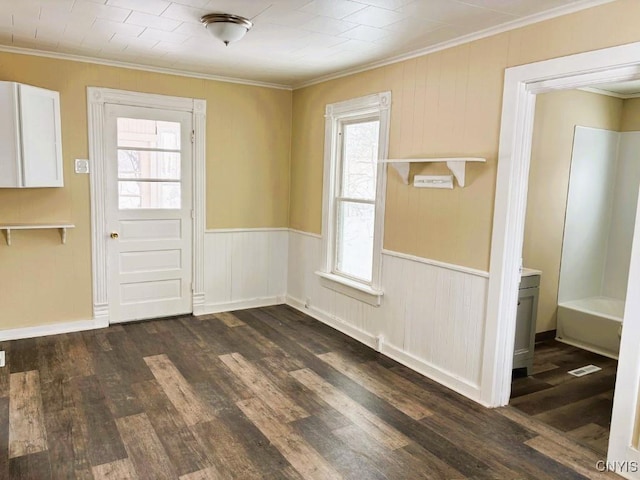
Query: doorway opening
522,85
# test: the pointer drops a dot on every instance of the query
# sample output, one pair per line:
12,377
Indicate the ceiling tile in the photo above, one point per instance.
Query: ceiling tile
291,18
193,3
120,40
95,10
245,8
161,35
333,8
154,7
154,21
328,26
107,26
388,4
366,33
375,17
184,13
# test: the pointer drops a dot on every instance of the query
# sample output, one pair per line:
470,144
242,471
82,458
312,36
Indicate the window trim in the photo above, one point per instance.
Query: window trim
377,105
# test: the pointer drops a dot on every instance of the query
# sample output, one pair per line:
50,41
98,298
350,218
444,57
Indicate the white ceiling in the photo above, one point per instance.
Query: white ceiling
629,89
292,41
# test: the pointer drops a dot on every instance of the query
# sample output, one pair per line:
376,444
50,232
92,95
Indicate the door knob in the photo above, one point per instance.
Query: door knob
114,235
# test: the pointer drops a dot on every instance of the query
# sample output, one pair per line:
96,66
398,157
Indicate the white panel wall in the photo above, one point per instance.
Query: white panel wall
431,317
245,268
588,218
625,200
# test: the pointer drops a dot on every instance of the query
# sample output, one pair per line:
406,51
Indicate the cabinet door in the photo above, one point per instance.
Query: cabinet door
10,171
41,137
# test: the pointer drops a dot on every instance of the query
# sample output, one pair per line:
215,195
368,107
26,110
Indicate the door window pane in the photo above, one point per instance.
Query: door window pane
133,195
145,164
359,162
142,133
354,249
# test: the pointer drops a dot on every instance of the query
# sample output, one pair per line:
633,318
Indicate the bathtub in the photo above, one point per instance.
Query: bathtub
593,324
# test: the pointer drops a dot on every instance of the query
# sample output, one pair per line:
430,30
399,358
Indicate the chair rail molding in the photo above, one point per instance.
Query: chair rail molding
97,98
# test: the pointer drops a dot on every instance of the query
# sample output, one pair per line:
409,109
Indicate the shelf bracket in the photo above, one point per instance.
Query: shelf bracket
7,233
457,167
63,235
403,170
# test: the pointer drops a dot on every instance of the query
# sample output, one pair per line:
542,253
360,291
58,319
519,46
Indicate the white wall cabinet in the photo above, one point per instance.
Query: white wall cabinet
30,137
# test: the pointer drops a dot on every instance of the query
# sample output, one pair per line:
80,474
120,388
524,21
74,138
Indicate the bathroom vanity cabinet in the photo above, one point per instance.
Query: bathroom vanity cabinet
526,319
30,137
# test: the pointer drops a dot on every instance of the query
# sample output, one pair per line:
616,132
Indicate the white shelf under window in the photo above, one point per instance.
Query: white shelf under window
62,227
455,164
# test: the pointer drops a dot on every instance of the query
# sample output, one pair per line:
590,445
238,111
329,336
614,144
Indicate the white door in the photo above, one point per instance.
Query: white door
624,448
148,213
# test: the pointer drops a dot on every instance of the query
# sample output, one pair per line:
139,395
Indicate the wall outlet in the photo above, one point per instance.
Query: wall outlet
2,359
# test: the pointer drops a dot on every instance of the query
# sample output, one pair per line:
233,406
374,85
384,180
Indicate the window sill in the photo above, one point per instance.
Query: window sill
351,288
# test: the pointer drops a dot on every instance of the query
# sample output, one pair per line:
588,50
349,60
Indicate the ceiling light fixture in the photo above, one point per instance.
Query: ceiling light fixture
226,27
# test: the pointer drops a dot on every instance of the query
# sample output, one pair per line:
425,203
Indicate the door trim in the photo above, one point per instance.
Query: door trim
97,98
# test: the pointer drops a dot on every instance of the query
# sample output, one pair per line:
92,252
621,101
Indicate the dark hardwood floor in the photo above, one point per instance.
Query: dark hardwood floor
579,406
263,393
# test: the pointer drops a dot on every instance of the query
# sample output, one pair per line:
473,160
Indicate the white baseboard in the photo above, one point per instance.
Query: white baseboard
431,371
53,329
408,360
322,316
238,305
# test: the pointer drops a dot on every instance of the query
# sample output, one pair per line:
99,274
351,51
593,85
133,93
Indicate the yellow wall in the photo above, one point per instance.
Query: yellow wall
445,103
248,155
631,115
557,114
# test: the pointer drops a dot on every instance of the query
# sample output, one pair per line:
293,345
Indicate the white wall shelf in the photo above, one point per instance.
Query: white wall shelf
455,164
36,226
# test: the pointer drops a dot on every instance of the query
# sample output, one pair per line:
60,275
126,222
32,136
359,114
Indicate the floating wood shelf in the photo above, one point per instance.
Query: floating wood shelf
36,226
455,164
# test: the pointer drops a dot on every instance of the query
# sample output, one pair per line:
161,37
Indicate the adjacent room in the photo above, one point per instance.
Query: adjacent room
282,239
581,210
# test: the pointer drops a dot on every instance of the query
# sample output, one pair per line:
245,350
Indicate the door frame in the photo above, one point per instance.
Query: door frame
521,85
97,98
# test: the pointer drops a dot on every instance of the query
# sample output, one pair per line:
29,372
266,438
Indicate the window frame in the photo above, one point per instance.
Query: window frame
361,109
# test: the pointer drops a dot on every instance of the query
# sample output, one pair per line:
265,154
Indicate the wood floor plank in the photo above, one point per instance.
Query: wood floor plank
392,393
183,449
144,448
95,422
229,319
270,394
230,456
4,436
293,447
210,473
354,411
178,390
118,470
595,436
568,457
35,466
27,433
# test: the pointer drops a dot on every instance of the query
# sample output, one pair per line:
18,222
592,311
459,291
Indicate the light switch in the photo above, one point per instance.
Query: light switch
82,165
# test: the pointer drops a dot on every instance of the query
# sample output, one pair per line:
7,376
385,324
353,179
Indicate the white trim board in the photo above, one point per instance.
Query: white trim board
377,343
52,329
521,85
144,68
241,230
437,263
97,98
208,308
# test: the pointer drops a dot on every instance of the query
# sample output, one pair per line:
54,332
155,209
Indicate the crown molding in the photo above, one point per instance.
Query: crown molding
144,68
505,27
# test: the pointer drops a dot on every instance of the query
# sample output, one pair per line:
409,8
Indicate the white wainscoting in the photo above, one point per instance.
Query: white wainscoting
431,318
244,268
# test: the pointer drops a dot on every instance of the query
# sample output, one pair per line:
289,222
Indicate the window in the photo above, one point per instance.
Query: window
148,164
356,134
